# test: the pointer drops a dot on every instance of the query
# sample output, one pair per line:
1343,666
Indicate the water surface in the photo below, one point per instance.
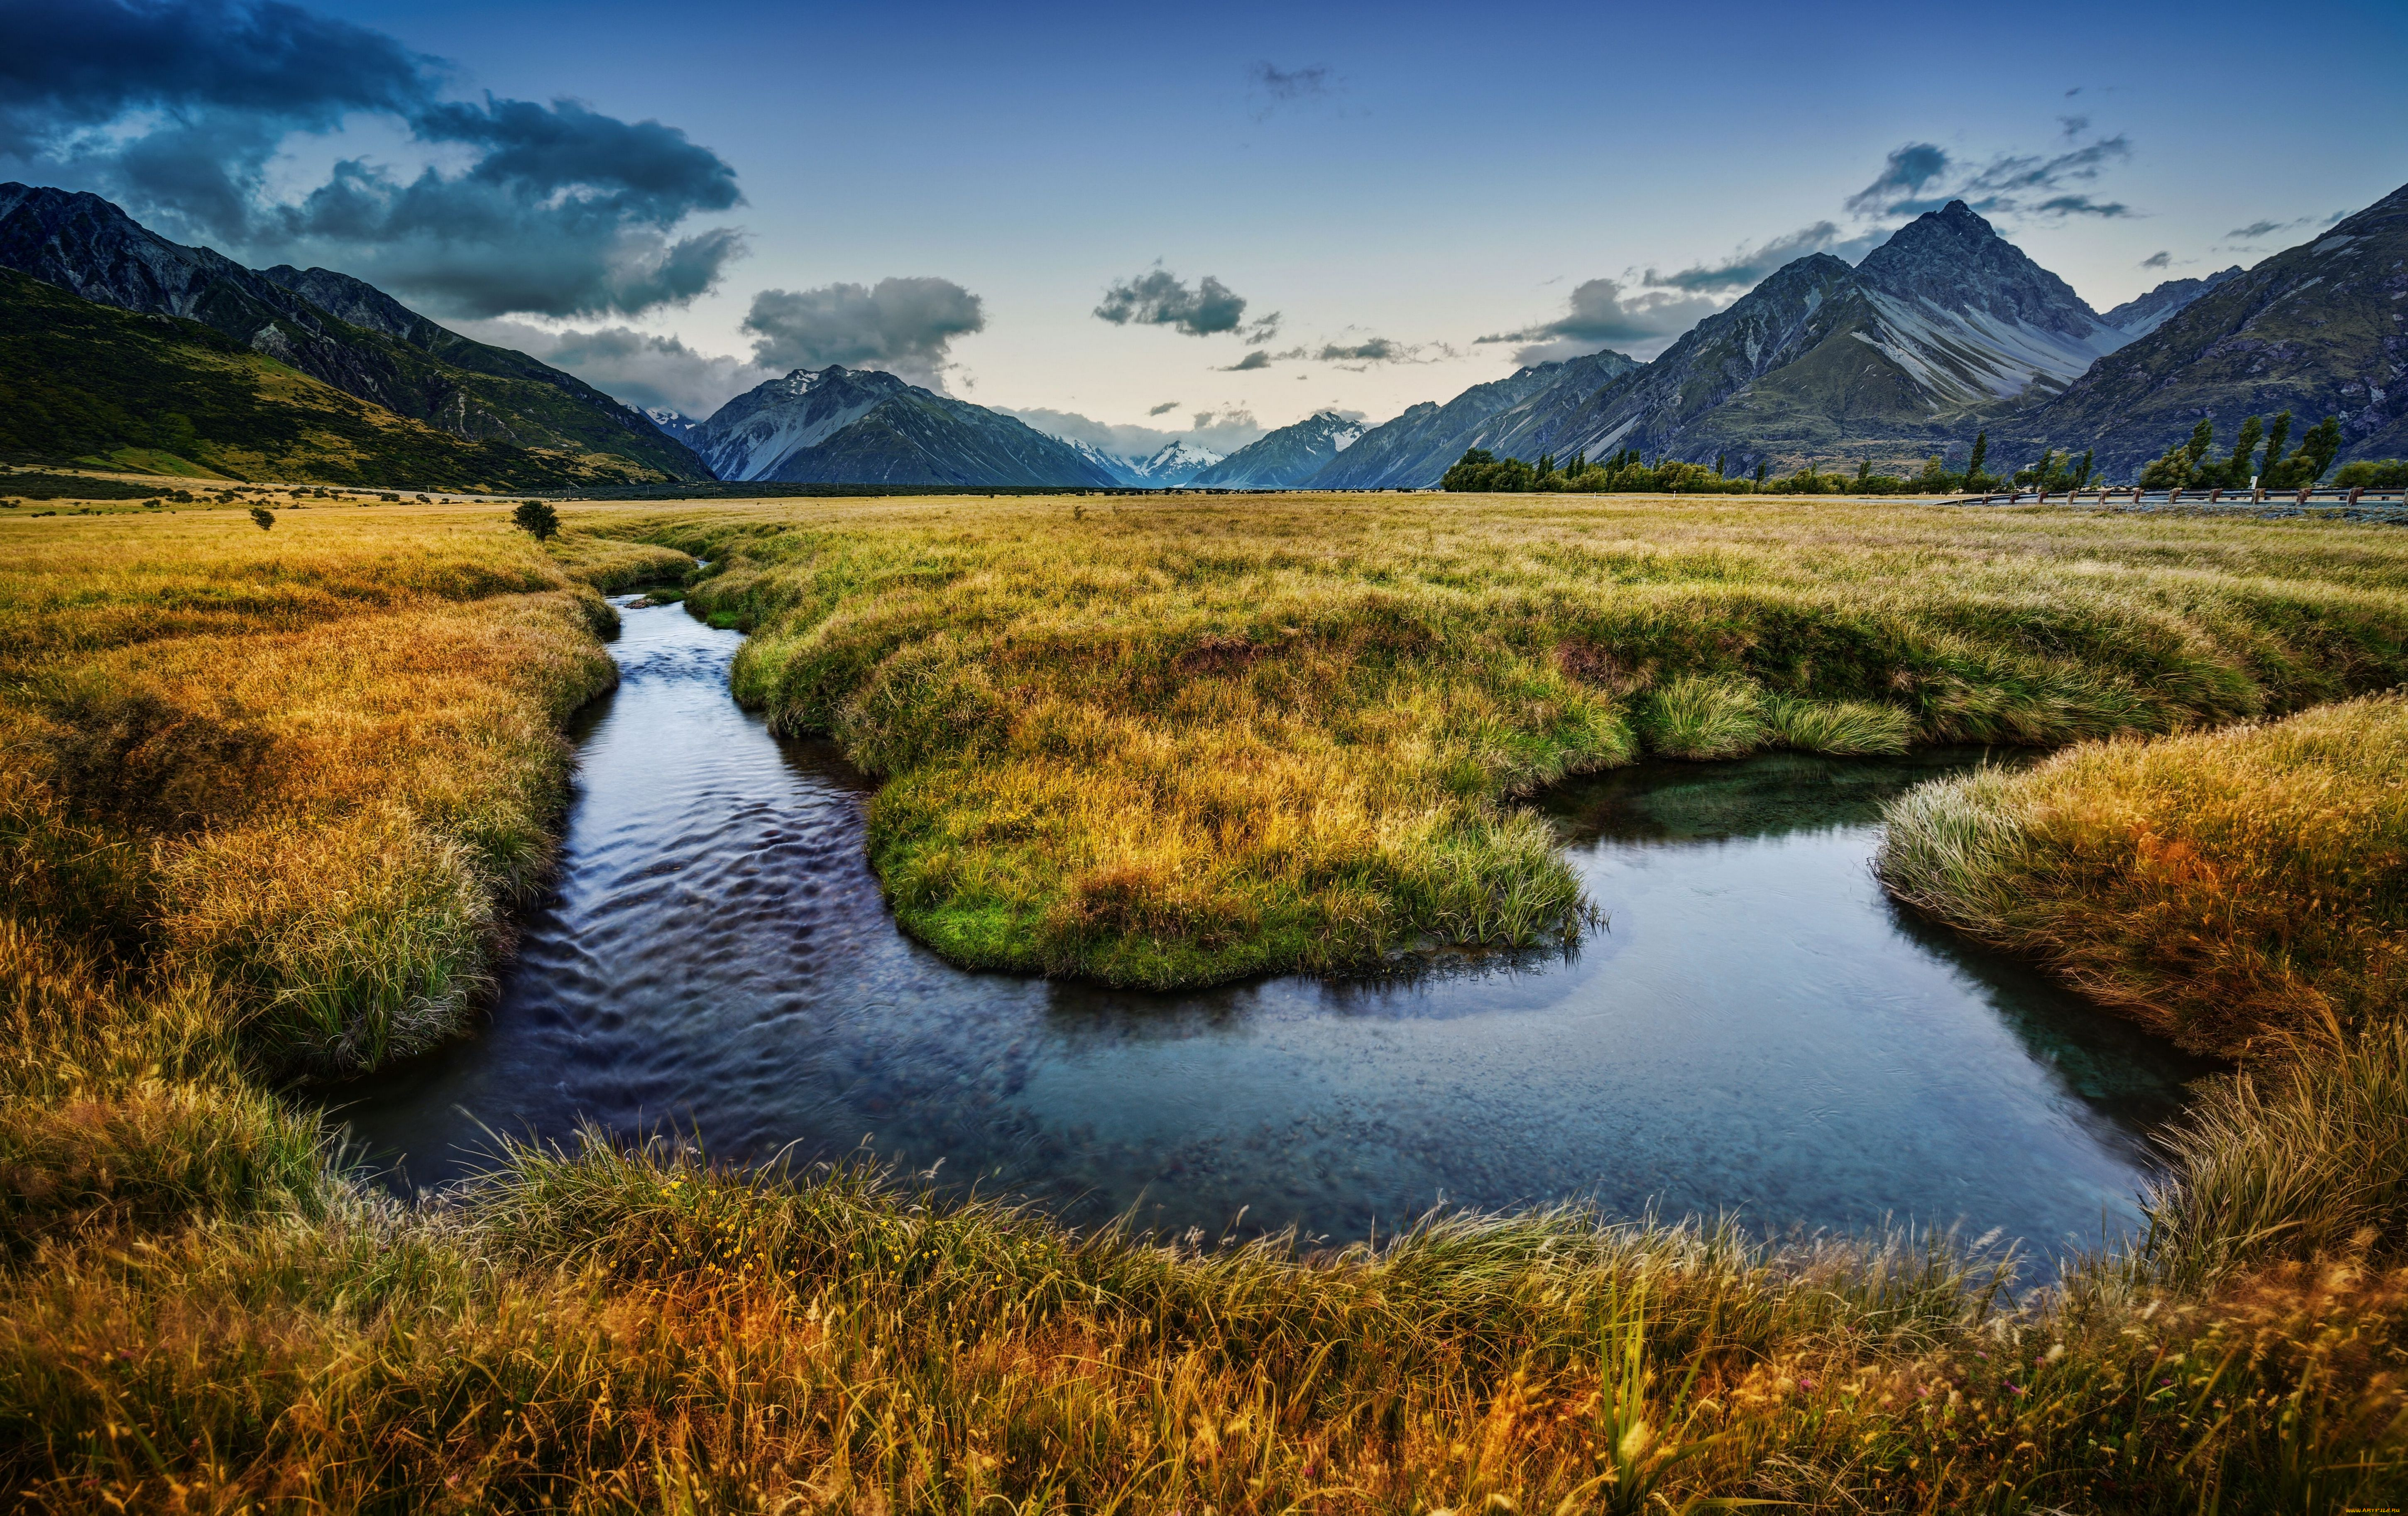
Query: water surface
1756,1030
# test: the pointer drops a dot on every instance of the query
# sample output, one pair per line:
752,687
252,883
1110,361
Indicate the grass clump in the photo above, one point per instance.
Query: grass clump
311,770
2234,889
1169,743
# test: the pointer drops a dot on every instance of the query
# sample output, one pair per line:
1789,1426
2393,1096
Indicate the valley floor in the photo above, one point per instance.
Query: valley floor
267,800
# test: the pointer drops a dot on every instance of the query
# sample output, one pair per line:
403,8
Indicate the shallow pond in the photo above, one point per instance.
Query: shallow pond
1755,1029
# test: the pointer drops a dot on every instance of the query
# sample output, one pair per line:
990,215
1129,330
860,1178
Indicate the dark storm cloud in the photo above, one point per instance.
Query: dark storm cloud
79,64
1257,359
905,326
1158,297
175,106
2158,260
639,367
1163,410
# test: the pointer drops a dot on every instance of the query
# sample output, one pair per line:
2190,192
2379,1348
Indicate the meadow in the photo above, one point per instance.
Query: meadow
268,800
1168,742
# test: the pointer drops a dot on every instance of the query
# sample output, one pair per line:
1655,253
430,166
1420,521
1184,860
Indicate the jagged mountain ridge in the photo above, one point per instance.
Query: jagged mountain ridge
337,329
1286,457
2318,330
1939,329
2142,314
836,425
1503,416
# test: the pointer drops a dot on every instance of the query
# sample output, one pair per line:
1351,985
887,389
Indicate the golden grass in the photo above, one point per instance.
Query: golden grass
1171,741
2229,888
314,765
266,796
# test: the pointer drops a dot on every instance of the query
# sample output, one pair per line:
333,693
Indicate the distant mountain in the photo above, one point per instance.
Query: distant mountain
2321,330
339,330
1176,463
675,424
82,382
839,426
1286,458
1503,416
2139,317
1945,324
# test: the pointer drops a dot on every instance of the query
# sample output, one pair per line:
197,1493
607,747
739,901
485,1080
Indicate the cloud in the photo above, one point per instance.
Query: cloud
2158,260
1602,315
1158,297
1274,86
1745,268
2079,205
1223,431
905,326
1904,175
639,367
1164,408
177,108
2255,229
1920,177
1377,350
1257,359
2074,126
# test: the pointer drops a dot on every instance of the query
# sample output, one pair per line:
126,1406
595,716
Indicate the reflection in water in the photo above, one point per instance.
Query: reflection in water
1756,1029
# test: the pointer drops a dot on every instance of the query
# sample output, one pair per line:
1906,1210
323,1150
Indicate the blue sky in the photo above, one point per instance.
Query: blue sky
958,188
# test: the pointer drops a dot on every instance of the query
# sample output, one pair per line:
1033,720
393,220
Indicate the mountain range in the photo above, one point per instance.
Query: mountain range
1279,458
346,334
1943,330
2319,330
837,425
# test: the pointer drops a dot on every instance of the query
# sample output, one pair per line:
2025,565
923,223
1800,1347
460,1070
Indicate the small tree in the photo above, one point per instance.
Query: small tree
2276,437
1973,476
2245,447
537,520
262,517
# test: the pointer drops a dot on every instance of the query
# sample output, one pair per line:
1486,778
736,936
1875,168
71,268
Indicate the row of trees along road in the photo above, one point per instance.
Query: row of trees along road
2185,465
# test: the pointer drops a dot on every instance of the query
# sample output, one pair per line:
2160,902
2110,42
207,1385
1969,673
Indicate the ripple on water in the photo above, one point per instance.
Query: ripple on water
1756,1030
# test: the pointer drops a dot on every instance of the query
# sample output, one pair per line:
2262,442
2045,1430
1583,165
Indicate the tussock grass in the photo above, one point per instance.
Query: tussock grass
263,814
2247,887
312,768
1170,742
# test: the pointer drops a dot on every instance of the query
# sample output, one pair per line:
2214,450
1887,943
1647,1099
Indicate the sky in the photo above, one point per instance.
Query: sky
1129,222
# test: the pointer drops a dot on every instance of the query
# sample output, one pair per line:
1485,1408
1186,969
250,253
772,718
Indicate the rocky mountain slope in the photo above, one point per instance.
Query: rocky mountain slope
2144,314
1504,416
1176,463
2320,330
1940,330
82,382
1286,458
338,330
839,425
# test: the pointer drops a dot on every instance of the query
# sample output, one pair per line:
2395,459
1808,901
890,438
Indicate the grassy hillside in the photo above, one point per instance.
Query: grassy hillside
260,790
1170,742
85,382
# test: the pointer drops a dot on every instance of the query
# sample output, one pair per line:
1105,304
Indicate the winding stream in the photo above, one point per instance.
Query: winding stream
1757,1029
